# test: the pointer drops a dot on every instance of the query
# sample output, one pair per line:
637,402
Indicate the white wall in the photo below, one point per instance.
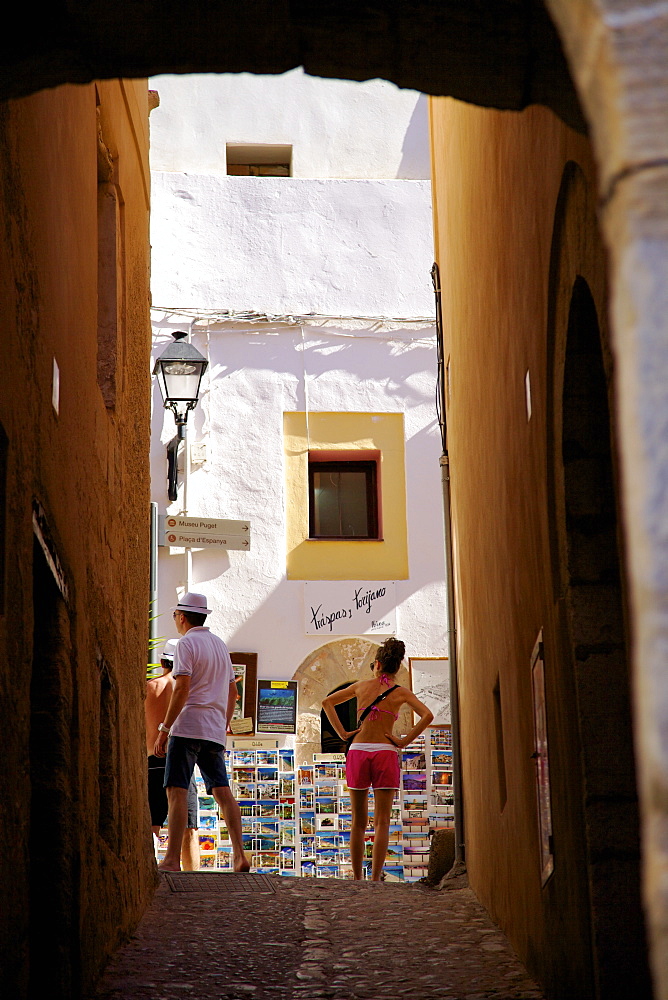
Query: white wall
337,128
280,245
256,375
289,247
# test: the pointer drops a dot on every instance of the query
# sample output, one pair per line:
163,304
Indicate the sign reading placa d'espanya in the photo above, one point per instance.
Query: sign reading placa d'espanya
350,607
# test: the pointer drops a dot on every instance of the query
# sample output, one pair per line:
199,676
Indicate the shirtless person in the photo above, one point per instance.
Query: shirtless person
203,699
158,694
372,758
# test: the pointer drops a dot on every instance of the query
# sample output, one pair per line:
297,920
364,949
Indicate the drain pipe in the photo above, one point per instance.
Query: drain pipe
459,866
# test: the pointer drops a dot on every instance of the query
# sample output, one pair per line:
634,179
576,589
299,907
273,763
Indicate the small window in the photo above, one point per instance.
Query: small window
343,500
247,160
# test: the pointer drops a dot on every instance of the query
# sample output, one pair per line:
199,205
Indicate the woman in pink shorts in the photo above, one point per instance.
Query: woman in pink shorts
373,755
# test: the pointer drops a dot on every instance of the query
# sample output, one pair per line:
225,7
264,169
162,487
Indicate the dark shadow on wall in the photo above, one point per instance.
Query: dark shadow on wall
54,861
415,160
596,626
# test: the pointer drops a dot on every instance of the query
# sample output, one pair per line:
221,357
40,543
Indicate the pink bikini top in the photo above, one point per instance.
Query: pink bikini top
375,711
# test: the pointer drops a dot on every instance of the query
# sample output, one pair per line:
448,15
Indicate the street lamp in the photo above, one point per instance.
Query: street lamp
179,369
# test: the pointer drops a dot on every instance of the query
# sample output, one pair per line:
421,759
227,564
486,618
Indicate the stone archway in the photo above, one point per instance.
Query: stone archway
337,662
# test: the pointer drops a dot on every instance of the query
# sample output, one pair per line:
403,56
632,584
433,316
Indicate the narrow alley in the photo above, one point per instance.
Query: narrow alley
215,935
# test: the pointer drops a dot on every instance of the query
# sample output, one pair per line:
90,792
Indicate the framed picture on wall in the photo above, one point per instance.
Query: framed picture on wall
276,706
430,682
245,675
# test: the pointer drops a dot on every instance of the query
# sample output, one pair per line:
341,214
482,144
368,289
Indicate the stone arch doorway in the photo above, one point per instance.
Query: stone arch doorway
595,614
596,815
337,662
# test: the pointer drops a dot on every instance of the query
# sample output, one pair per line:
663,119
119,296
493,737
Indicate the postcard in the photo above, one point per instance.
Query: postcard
413,760
243,774
441,758
208,821
207,861
288,833
441,777
345,821
224,857
244,790
266,808
307,822
326,788
327,871
267,789
326,821
305,775
267,758
287,786
325,805
287,855
207,842
267,828
308,869
287,809
243,758
267,774
306,798
326,855
286,760
206,802
326,839
307,847
326,771
414,781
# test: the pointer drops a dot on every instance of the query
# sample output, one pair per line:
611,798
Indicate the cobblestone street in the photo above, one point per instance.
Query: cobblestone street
273,938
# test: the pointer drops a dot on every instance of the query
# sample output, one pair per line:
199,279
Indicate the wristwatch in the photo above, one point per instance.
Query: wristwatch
163,729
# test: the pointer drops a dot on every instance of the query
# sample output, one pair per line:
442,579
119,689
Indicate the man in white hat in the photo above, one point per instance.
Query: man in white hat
203,699
158,695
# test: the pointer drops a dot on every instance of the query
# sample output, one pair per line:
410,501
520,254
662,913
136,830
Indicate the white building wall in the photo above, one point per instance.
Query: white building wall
290,247
337,128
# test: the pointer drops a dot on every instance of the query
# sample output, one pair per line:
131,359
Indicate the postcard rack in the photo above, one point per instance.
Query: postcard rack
297,821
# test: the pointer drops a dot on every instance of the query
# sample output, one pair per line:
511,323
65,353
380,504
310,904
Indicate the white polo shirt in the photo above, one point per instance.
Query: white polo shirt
204,658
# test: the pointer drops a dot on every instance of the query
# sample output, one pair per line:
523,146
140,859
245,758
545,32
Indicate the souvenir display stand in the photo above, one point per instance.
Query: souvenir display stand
297,821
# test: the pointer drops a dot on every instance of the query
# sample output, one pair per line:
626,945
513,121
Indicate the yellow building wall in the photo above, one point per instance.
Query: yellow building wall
385,558
86,466
496,181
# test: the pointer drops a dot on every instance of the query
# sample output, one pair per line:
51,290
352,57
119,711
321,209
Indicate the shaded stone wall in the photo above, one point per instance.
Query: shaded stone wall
75,854
535,546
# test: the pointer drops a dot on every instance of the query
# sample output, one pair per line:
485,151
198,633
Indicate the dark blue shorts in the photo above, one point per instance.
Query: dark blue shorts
183,752
157,796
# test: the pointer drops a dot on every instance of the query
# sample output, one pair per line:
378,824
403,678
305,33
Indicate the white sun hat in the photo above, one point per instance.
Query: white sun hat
196,603
168,650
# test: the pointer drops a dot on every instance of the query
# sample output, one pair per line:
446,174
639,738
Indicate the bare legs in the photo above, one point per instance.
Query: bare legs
190,850
177,819
382,799
359,801
232,816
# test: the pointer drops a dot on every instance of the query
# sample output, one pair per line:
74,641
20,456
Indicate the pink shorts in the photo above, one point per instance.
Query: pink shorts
372,768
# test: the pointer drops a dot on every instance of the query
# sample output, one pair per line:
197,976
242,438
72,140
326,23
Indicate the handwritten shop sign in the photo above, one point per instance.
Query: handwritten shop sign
350,608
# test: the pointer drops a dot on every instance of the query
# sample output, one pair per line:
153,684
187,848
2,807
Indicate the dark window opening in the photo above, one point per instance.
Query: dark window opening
330,741
500,753
4,448
343,500
252,160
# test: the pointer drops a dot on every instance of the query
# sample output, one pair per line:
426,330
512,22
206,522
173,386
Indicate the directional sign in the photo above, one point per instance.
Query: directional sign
207,532
207,525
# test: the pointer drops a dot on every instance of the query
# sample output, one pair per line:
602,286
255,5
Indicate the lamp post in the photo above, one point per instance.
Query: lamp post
179,369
